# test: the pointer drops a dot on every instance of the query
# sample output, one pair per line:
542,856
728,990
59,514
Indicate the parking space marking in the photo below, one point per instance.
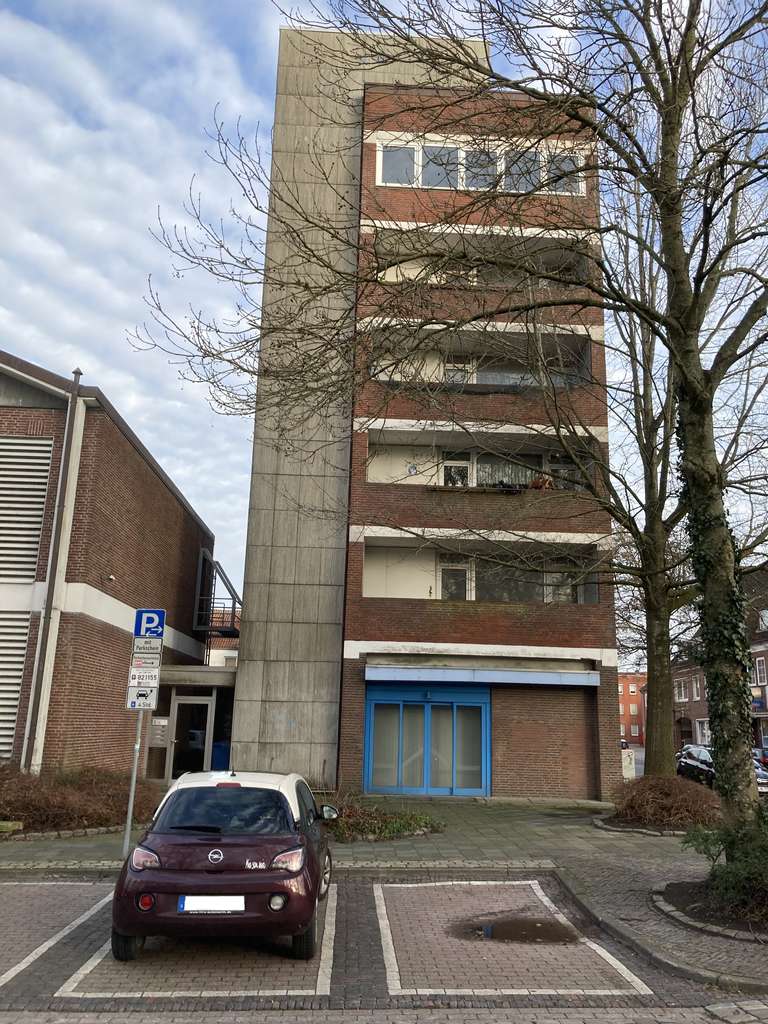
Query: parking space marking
394,984
49,943
322,984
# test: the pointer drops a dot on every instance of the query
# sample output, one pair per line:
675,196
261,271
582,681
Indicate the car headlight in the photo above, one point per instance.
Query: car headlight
142,858
289,860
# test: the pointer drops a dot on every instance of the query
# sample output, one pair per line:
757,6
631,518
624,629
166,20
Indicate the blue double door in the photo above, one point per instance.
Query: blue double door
427,742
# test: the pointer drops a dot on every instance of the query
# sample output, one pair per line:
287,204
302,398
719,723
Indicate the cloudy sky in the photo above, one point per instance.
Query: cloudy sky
105,105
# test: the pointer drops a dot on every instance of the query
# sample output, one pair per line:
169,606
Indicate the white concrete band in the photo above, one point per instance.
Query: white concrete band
359,534
353,649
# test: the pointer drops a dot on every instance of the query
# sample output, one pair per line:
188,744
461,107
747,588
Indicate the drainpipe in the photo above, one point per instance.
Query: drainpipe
61,532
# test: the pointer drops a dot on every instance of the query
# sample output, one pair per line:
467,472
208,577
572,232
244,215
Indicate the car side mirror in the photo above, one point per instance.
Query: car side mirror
328,813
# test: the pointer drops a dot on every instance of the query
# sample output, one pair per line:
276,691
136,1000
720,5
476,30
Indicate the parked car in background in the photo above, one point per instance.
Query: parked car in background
227,854
760,754
696,763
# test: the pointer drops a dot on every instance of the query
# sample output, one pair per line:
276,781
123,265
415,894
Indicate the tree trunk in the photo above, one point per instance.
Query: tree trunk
726,656
659,726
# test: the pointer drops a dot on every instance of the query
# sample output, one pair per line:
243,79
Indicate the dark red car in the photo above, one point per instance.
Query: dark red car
227,854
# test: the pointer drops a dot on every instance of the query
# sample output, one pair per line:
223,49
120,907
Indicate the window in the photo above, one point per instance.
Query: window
495,582
621,709
622,729
703,734
633,687
634,730
562,172
459,371
760,671
496,471
681,690
398,165
504,373
455,578
522,172
480,170
440,167
633,709
696,688
456,469
306,804
214,810
621,687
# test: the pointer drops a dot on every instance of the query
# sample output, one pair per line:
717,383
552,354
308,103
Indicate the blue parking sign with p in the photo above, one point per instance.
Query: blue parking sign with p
149,622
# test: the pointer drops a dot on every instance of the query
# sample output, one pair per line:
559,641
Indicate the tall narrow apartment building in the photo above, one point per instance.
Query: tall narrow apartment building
424,607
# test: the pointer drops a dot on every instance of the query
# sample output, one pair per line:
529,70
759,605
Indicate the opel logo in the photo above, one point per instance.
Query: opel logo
215,856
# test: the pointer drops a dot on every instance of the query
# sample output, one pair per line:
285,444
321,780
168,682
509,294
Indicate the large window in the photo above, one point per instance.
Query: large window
681,690
760,671
452,166
703,734
493,469
696,688
472,578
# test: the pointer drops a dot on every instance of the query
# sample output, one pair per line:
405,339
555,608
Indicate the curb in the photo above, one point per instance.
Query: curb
602,823
66,833
666,908
729,982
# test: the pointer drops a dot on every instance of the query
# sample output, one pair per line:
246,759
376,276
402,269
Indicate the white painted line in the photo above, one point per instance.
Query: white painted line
393,971
49,943
322,985
387,945
51,883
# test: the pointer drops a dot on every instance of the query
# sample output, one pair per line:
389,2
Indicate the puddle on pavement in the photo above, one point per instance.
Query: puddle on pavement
515,928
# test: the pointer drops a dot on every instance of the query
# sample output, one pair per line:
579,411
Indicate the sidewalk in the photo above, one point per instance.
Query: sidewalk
610,874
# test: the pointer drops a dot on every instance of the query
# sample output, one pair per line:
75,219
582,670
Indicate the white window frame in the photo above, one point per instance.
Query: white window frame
681,691
696,688
621,687
471,465
463,144
633,709
703,734
633,687
622,730
470,364
634,730
760,677
468,564
621,709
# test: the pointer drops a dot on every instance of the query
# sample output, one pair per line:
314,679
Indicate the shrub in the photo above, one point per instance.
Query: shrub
672,803
72,800
738,881
362,821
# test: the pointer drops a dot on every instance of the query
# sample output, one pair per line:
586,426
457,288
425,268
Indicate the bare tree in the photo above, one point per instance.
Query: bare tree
667,106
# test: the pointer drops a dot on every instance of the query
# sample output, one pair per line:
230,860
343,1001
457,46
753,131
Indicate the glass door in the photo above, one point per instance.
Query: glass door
191,735
437,747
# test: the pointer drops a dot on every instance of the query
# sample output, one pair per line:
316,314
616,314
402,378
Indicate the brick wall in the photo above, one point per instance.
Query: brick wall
556,742
26,684
130,525
638,680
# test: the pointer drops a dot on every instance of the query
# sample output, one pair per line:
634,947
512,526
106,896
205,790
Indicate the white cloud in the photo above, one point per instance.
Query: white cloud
105,105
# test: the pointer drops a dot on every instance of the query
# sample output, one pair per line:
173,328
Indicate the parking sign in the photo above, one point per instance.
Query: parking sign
149,622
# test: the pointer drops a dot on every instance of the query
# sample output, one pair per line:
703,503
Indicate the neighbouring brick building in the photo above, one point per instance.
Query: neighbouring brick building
632,706
380,650
90,529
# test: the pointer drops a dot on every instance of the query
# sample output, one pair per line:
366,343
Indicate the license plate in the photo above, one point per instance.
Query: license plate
211,904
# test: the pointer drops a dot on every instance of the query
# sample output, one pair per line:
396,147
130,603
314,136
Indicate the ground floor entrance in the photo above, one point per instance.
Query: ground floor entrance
189,731
434,741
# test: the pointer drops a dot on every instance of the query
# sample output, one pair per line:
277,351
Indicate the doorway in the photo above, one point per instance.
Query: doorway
428,742
191,734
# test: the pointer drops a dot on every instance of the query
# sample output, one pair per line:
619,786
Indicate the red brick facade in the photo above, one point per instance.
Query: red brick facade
632,706
134,543
545,740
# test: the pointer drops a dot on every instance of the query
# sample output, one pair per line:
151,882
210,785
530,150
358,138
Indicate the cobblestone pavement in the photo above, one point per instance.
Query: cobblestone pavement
481,842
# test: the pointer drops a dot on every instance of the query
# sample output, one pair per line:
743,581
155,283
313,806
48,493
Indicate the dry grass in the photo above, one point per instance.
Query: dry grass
364,821
69,800
672,803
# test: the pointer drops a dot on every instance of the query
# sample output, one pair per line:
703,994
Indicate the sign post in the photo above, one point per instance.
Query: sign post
143,685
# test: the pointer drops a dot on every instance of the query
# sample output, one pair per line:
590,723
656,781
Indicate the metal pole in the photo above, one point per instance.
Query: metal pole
132,791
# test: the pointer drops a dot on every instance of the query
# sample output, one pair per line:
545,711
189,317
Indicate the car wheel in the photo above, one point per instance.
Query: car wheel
125,947
304,946
325,878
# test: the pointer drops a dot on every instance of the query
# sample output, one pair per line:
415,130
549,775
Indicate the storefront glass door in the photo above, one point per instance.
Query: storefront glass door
427,746
191,737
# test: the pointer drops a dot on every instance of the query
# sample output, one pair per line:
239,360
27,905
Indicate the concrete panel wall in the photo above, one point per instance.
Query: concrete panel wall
288,678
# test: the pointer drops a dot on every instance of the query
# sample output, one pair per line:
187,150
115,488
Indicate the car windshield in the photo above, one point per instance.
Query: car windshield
221,810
